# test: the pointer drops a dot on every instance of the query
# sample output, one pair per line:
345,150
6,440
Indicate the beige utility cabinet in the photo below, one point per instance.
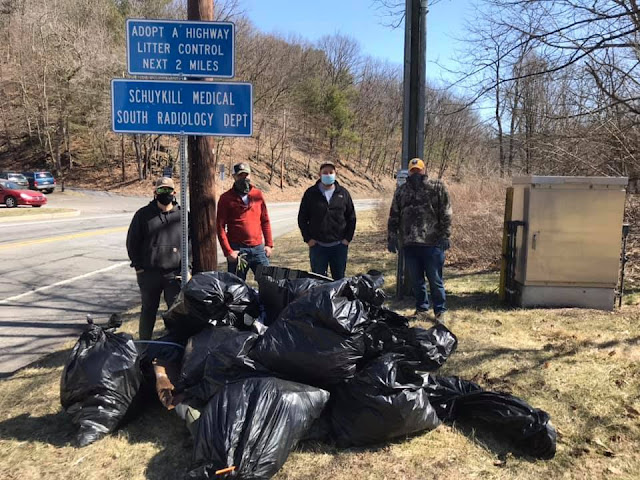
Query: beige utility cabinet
568,250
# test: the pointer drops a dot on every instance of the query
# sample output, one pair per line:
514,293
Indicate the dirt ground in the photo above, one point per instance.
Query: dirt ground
300,172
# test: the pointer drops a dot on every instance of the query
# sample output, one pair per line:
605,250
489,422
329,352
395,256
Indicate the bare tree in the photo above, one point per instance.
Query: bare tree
342,58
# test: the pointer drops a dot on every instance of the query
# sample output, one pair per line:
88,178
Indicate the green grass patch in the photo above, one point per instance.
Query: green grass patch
581,366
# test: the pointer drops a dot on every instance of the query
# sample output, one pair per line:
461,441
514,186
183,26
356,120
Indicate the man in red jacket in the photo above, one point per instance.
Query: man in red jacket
243,222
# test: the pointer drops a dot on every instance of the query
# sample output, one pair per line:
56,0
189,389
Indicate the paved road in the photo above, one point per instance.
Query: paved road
55,272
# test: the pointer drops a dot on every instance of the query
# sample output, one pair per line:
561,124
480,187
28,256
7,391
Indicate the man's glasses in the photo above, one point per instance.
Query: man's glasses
164,190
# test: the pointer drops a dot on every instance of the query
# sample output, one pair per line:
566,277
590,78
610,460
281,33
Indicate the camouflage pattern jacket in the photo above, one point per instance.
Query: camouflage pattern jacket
420,213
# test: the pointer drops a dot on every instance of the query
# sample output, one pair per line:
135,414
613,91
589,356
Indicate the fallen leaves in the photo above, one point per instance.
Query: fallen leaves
604,449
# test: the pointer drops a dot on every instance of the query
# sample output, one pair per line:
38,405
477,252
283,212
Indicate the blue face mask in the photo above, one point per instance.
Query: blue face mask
328,178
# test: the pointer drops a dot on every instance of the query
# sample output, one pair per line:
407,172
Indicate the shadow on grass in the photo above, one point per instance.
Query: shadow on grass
169,433
477,432
498,444
538,357
475,301
155,425
54,429
452,274
455,301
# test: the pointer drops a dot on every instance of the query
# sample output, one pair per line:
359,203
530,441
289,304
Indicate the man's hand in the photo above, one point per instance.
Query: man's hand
345,242
446,244
392,246
312,243
164,387
233,256
267,251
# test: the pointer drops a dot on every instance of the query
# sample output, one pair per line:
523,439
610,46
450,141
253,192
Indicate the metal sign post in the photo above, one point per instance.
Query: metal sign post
184,199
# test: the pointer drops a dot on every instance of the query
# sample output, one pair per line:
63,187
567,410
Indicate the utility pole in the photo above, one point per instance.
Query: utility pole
202,179
415,74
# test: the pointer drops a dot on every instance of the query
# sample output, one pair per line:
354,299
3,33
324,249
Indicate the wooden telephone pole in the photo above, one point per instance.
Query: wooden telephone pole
202,178
415,74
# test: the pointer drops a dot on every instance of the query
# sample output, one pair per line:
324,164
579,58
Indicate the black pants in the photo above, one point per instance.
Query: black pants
152,284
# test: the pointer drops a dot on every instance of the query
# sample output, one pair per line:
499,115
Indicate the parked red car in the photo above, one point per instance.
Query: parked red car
12,195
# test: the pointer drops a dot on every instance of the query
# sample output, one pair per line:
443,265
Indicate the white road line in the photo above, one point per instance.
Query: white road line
63,282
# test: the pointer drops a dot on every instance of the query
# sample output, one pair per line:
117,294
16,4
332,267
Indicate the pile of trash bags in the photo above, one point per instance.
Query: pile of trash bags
325,361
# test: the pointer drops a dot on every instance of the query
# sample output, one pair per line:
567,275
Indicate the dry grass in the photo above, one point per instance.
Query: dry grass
478,216
582,366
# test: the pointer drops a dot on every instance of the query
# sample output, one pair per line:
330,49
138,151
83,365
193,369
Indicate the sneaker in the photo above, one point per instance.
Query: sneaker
441,317
421,314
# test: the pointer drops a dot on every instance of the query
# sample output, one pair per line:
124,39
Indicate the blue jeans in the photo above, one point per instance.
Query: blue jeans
253,255
427,261
323,257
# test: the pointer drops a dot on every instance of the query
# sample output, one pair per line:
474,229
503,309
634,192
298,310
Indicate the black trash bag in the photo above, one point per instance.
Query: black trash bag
214,357
386,331
216,298
318,339
389,332
384,400
368,288
99,381
320,430
430,347
275,295
253,425
528,428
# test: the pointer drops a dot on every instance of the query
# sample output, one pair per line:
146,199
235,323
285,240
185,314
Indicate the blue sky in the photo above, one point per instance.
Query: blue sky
312,19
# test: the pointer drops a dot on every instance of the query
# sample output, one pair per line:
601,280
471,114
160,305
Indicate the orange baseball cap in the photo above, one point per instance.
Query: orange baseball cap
416,163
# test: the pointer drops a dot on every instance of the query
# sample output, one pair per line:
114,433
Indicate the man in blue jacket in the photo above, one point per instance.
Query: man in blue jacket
327,221
154,245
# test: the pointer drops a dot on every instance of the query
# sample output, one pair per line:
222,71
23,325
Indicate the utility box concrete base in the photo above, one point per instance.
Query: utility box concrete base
558,297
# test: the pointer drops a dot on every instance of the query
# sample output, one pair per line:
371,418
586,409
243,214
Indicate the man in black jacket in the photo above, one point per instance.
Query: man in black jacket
154,244
327,220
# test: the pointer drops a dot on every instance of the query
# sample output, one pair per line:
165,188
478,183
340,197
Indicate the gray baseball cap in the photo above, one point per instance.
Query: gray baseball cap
241,168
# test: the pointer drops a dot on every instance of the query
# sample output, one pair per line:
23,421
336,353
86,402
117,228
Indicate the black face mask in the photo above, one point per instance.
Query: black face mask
164,198
242,186
415,179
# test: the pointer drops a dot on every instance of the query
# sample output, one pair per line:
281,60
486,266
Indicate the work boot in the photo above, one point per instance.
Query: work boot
421,315
441,317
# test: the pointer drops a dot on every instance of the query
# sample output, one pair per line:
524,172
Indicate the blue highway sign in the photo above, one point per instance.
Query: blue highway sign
179,107
189,48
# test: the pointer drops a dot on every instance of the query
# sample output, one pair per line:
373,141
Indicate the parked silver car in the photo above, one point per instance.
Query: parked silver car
16,177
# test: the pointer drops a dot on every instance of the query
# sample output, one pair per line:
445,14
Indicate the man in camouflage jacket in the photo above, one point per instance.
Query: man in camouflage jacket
420,224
